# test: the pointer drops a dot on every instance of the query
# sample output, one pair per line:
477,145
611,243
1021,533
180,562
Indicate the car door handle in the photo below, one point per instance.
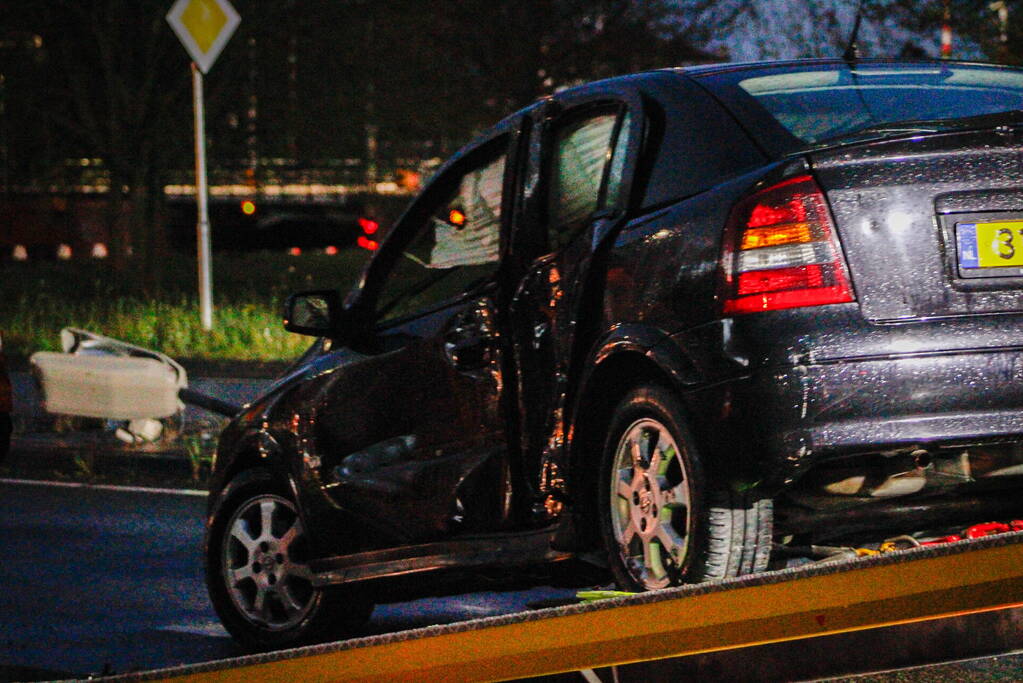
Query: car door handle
469,352
539,331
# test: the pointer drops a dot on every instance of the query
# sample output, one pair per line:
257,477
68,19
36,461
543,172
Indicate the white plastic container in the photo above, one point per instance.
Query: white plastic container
106,386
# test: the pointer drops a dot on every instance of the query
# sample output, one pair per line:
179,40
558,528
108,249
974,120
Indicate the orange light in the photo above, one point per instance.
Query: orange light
456,218
793,233
366,243
248,208
330,251
408,179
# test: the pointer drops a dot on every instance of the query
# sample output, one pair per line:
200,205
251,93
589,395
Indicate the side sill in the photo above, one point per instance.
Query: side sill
494,550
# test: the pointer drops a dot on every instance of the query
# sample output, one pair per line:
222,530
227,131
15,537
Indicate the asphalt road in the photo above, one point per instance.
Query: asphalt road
110,581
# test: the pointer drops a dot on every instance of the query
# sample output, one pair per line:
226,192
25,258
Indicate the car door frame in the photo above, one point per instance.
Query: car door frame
362,301
545,483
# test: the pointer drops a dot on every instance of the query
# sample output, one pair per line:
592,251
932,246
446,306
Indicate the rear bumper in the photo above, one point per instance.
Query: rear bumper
796,415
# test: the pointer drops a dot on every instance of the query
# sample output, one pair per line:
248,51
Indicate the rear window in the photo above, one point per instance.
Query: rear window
826,103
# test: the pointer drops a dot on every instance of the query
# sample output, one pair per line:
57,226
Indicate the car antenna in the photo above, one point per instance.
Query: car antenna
852,50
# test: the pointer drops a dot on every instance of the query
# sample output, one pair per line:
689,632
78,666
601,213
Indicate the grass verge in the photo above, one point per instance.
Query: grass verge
37,299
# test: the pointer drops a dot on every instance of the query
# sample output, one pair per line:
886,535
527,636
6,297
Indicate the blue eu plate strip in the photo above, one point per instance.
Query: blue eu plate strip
966,237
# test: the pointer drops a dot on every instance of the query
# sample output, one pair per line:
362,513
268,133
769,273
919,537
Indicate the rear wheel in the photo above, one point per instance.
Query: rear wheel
258,575
662,522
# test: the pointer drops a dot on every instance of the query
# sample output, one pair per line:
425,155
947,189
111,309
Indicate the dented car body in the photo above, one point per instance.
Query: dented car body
652,323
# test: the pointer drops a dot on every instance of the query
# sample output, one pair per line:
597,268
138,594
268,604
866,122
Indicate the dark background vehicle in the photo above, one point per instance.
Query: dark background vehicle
254,223
654,323
261,222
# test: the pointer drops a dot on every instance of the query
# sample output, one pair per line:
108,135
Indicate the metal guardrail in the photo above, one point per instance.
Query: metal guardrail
908,586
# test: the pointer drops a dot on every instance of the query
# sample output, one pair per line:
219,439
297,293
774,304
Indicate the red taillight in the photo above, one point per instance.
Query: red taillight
366,243
368,225
781,251
781,279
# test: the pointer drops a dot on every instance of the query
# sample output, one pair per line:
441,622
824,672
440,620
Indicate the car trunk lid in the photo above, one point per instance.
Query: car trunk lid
903,208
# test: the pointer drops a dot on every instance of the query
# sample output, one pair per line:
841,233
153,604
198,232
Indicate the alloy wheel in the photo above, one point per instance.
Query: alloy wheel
650,504
264,563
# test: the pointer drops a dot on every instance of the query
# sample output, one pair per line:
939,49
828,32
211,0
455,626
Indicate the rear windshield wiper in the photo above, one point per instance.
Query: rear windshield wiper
883,129
1003,118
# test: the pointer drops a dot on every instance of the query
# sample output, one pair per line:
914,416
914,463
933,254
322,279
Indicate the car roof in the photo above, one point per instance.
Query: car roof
701,71
706,69
777,142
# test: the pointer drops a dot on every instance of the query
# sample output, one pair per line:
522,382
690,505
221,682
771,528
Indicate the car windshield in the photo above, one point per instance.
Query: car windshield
833,103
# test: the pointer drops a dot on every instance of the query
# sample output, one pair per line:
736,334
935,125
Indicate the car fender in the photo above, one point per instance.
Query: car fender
254,450
242,479
654,344
622,356
257,453
657,349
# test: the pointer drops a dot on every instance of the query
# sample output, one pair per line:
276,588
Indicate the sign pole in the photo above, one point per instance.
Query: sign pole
204,27
202,228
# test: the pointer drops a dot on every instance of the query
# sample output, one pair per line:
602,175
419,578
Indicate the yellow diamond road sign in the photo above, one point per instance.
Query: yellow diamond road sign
204,27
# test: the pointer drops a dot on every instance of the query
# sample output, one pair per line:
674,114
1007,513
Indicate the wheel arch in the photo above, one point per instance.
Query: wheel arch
248,466
255,451
625,357
622,360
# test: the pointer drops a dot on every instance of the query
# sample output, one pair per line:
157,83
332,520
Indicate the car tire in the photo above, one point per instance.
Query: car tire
662,522
257,571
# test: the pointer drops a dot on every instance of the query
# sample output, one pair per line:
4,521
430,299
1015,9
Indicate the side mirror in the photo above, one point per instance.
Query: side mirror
317,313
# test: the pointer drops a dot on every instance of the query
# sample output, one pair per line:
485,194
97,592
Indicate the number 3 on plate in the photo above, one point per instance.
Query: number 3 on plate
1005,247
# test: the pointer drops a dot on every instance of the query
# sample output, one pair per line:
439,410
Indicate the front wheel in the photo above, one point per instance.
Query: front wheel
257,570
663,523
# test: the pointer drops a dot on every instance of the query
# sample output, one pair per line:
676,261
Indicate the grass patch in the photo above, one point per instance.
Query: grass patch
37,299
200,448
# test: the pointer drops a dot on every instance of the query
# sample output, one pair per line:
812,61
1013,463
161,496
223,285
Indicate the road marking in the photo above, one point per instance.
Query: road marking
105,487
469,606
211,628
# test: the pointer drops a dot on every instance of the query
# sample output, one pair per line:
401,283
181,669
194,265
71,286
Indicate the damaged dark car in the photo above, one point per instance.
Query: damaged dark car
662,324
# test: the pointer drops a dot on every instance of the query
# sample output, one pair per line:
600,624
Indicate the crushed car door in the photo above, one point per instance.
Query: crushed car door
583,156
414,432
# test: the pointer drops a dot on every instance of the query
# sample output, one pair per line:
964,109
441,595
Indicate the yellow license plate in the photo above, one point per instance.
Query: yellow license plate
997,244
